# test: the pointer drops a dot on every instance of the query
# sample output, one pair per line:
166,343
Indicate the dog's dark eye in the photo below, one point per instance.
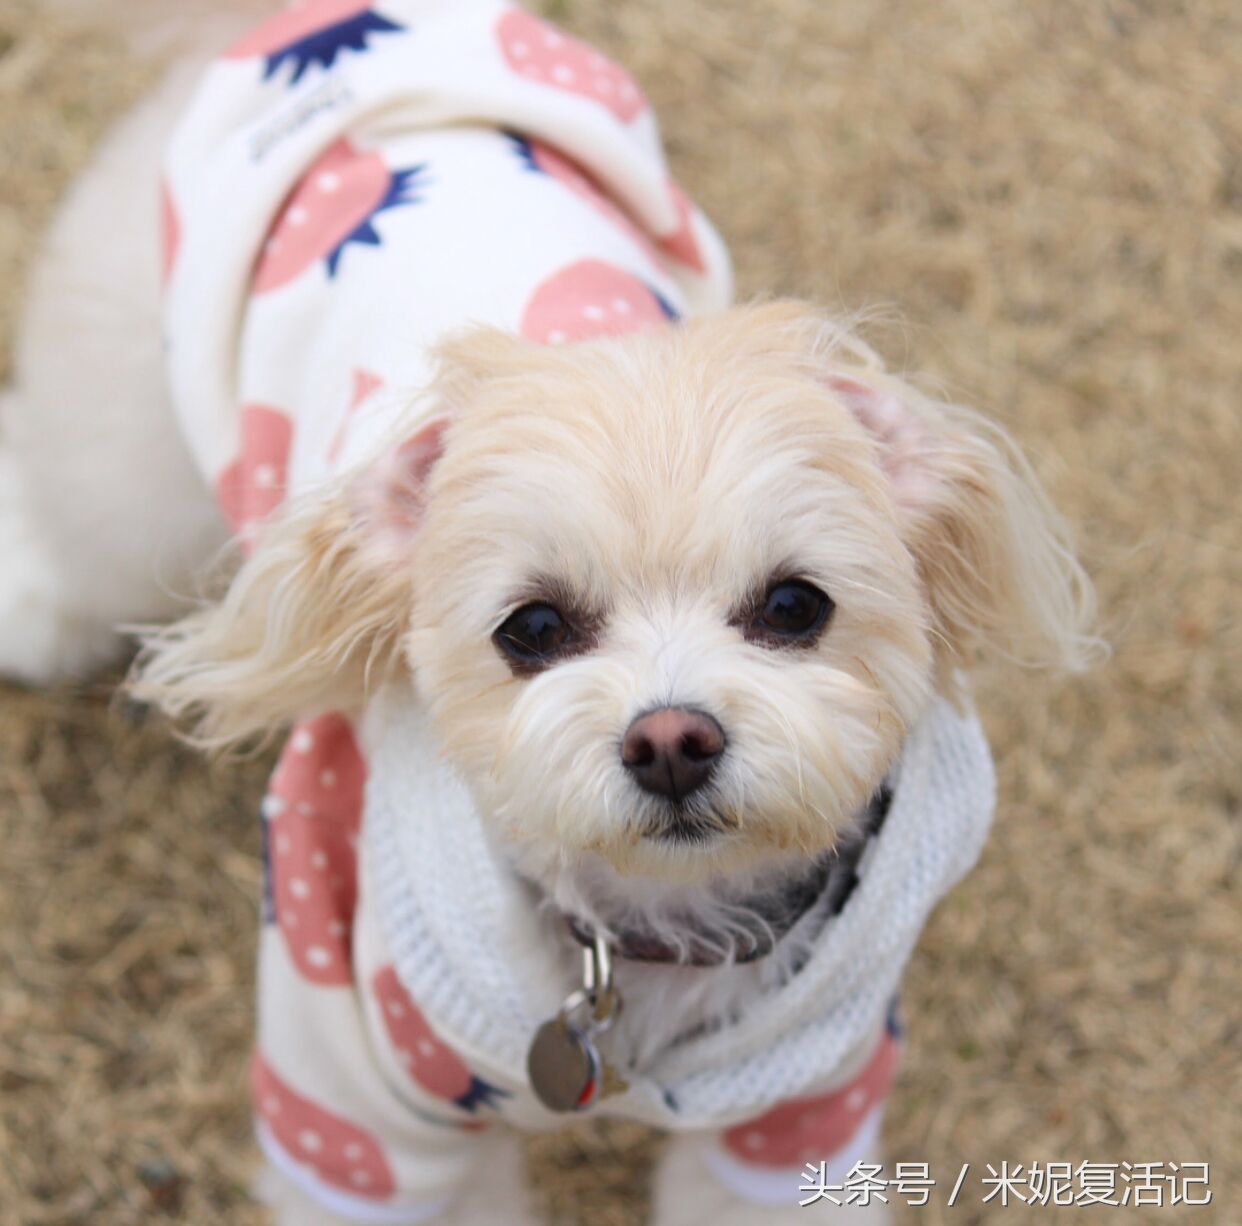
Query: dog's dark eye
793,612
535,635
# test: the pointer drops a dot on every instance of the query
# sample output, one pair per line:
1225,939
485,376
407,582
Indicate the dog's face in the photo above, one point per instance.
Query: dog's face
673,600
662,609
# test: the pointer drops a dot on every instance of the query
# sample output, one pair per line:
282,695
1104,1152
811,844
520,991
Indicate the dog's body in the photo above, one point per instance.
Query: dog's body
674,603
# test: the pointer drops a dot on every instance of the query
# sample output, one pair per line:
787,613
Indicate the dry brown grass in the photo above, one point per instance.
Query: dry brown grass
1051,196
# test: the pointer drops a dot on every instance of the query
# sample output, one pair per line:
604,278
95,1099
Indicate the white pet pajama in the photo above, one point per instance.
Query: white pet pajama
453,162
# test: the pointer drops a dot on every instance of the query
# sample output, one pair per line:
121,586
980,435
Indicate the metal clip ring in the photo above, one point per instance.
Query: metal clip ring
597,989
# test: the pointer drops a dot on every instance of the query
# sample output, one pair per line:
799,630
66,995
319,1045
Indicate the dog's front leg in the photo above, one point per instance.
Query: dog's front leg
693,1188
497,1194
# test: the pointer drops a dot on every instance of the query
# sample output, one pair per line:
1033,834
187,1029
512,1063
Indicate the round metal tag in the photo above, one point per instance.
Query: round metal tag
563,1066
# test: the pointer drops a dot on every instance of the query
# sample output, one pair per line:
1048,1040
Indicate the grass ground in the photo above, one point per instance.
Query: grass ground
1046,200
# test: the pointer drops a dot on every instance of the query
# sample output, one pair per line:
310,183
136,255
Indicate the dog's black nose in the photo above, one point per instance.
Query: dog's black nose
672,751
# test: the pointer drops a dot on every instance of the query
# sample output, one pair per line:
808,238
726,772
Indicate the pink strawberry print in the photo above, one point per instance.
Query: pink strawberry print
431,1063
170,234
254,484
544,159
343,1155
322,772
540,52
590,299
366,384
312,32
682,244
334,205
812,1129
313,812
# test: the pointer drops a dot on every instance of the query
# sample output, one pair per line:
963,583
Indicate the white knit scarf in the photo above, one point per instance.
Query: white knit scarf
454,916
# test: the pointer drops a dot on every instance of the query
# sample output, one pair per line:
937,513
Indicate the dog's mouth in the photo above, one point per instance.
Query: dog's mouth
683,825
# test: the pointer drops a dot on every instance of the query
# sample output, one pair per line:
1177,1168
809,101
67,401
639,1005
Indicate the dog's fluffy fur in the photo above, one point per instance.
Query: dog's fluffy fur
650,487
653,486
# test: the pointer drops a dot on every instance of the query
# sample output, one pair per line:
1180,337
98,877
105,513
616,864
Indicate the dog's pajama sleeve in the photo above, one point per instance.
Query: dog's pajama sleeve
812,1142
359,1103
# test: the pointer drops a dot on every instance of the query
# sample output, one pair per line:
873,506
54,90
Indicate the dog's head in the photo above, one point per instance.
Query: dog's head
672,600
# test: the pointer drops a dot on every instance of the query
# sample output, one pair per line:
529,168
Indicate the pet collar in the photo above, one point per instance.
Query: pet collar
830,881
564,1065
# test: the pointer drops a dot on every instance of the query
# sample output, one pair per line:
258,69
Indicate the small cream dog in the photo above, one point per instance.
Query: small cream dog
685,612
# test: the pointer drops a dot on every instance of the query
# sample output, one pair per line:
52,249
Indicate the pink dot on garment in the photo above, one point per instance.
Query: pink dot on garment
431,1063
342,1154
540,52
322,767
589,299
315,806
365,384
335,196
568,174
170,233
253,485
315,888
682,244
812,1129
296,22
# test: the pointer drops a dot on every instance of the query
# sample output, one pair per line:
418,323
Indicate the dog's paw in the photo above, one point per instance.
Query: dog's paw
288,1205
687,1191
41,639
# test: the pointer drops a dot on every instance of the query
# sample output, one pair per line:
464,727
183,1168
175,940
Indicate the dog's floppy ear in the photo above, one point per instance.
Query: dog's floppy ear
313,616
996,560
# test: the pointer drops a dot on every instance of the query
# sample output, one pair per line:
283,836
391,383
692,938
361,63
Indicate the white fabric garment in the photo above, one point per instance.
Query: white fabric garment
349,186
404,970
353,182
